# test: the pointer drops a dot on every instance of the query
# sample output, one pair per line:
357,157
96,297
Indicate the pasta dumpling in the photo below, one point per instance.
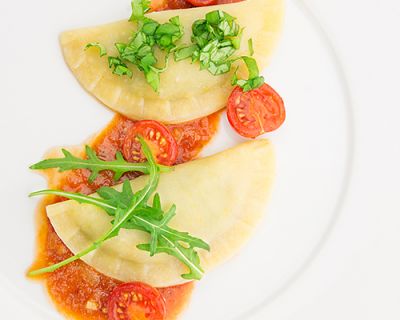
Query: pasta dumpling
219,199
186,93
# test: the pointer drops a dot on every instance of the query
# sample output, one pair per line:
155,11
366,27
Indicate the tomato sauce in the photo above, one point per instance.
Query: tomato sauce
77,289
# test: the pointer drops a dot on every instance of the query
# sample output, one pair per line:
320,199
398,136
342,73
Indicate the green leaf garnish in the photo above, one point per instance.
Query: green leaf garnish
132,211
215,39
251,49
119,166
101,48
140,51
139,8
184,53
252,67
255,80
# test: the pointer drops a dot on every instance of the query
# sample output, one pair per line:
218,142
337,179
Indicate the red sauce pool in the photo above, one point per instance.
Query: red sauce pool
78,290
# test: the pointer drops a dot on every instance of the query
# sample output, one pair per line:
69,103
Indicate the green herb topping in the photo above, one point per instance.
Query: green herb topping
131,210
119,166
140,50
255,80
215,39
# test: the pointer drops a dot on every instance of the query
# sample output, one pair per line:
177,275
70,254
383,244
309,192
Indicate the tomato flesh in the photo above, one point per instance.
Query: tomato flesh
201,3
159,139
255,112
136,301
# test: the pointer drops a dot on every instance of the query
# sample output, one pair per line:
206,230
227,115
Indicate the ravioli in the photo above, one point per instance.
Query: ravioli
219,199
186,93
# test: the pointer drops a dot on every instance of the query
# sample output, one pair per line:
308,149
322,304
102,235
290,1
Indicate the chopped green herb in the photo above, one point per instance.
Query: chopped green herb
140,51
102,49
185,52
119,166
139,8
255,80
251,49
215,39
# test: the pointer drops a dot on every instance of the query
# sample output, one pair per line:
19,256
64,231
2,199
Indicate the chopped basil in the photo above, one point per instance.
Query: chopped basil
255,80
251,49
215,39
139,8
184,53
140,51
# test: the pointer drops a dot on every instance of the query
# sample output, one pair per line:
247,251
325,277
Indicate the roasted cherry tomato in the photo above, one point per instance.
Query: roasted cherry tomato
201,3
159,139
255,112
136,301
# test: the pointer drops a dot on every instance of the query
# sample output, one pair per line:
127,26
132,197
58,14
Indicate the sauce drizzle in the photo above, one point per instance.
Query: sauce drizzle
78,290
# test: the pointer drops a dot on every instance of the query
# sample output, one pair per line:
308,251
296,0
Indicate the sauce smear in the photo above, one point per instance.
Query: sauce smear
77,289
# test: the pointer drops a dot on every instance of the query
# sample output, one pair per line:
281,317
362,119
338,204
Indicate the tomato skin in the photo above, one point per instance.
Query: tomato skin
201,3
136,301
255,112
159,138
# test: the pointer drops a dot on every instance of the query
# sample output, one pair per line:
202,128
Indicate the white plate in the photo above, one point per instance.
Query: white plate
46,107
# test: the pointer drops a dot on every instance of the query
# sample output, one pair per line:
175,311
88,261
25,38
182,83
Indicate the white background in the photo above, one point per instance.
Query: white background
357,273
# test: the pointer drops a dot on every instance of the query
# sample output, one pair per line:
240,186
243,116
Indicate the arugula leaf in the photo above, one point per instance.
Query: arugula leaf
78,197
186,255
132,211
119,166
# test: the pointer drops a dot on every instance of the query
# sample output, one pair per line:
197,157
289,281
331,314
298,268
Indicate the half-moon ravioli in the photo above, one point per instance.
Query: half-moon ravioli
186,93
219,199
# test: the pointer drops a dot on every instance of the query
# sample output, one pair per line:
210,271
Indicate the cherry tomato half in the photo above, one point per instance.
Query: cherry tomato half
255,112
201,3
159,139
136,301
